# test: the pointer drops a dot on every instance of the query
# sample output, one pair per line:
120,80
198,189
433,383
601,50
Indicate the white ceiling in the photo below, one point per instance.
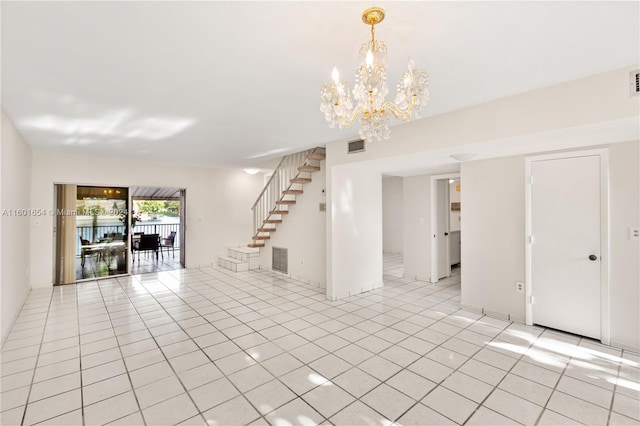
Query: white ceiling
234,84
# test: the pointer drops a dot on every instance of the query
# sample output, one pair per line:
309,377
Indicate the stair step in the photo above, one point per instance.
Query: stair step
273,221
242,253
243,250
300,180
309,168
232,264
286,202
317,156
231,259
279,211
255,245
261,237
292,191
266,229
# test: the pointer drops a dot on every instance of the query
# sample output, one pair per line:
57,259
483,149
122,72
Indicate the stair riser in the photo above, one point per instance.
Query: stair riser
236,254
250,264
234,267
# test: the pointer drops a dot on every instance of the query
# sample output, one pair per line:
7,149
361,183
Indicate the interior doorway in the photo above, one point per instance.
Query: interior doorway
455,236
392,227
445,225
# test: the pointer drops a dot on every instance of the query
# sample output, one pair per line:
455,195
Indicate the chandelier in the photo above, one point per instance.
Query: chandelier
371,89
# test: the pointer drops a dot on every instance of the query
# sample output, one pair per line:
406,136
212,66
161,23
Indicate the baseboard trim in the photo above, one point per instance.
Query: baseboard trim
472,308
16,315
498,315
615,344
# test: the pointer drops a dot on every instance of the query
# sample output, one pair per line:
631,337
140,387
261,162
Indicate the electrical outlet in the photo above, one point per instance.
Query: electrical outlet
519,287
634,233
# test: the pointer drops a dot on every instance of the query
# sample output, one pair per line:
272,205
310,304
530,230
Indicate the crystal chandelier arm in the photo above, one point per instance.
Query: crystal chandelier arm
348,121
402,115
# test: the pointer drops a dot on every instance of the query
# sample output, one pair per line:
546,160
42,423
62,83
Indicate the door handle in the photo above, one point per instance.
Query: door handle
446,233
593,257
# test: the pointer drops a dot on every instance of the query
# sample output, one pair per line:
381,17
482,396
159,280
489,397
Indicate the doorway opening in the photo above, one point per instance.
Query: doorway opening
455,249
392,227
157,229
445,226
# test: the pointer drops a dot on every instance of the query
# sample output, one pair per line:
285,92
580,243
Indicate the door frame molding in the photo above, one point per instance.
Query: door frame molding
603,154
434,201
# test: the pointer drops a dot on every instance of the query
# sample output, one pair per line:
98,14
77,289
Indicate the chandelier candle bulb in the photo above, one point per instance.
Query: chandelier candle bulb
369,59
371,89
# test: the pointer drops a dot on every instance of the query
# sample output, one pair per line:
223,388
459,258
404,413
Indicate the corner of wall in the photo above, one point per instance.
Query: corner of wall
15,190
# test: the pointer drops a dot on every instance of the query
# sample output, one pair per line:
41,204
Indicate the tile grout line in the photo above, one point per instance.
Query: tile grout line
79,354
481,404
165,356
385,302
615,387
331,318
122,358
555,389
223,373
35,367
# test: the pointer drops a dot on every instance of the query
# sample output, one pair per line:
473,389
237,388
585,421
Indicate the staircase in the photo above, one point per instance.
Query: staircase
287,181
272,206
240,259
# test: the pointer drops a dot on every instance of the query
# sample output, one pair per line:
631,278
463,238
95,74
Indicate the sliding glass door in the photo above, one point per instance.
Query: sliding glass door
90,232
101,231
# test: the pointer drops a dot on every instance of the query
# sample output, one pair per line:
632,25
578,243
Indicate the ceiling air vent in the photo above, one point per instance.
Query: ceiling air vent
355,146
634,82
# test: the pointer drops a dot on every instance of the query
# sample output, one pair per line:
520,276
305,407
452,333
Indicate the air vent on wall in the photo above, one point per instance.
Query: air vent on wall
355,146
634,82
280,260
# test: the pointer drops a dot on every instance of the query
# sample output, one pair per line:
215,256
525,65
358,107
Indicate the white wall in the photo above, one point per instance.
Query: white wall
303,233
493,241
597,99
218,202
355,232
15,169
417,227
624,196
492,248
454,197
392,216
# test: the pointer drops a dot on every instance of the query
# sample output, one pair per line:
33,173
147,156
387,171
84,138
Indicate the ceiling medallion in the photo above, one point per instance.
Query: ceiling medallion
371,89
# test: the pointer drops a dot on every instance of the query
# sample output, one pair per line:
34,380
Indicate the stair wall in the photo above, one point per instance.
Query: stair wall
303,233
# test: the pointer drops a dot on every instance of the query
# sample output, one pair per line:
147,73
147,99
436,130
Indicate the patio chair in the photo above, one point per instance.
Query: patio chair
135,240
87,249
148,242
168,243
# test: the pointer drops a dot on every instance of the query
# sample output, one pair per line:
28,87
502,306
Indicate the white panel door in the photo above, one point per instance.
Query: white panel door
566,248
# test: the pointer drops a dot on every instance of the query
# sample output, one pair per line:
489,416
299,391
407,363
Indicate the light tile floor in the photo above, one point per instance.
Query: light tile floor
208,346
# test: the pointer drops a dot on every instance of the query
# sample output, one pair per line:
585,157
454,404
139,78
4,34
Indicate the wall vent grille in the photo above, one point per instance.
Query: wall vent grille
280,260
355,146
634,82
